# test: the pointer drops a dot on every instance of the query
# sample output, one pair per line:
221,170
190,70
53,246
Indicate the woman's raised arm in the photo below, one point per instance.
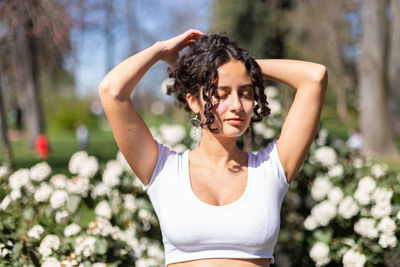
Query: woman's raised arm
130,132
301,123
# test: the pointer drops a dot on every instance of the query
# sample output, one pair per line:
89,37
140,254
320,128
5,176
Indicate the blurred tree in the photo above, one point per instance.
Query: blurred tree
374,115
325,43
259,26
394,67
34,40
8,159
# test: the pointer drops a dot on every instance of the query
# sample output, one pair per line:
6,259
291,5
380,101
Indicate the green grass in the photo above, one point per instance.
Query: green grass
62,146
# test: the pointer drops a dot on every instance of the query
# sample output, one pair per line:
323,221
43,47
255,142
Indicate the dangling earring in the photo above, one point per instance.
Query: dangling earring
196,131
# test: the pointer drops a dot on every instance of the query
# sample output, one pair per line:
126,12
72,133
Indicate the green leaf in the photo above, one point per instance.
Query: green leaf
322,236
73,203
16,251
29,213
101,246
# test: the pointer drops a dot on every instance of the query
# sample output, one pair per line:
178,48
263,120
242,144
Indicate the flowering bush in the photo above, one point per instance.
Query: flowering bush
98,215
356,212
340,209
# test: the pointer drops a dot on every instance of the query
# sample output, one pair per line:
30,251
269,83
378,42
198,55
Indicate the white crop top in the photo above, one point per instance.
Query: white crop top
192,229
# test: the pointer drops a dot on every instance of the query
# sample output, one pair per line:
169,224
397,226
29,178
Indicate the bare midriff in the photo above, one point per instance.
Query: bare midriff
223,263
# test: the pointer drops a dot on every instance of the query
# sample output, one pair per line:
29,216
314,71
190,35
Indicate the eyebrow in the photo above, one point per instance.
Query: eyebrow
225,87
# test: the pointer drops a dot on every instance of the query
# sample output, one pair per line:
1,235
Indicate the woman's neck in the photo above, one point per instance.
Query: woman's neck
218,149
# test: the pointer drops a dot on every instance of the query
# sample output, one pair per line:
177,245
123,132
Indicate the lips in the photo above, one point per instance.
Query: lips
235,121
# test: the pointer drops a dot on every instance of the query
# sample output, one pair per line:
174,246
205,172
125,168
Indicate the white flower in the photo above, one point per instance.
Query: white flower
76,161
319,253
145,262
367,184
335,195
310,224
348,207
129,202
322,135
382,195
275,106
78,185
398,215
43,193
387,225
103,210
271,91
381,209
3,171
358,163
51,262
89,168
379,170
336,170
99,264
320,188
353,259
85,245
111,173
5,202
72,229
40,171
15,194
155,250
62,216
4,251
387,240
366,228
173,133
58,198
36,231
326,155
48,244
323,212
100,226
19,179
179,148
166,83
59,181
100,190
362,197
121,159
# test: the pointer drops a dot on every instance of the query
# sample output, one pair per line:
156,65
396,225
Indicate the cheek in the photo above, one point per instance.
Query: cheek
220,107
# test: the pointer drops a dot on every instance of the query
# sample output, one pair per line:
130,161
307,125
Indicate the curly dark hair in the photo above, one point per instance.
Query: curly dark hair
199,66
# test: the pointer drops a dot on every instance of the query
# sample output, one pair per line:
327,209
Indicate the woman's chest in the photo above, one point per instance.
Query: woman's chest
252,219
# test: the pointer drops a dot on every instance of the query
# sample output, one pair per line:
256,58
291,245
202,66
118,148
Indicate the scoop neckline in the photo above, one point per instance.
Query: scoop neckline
201,202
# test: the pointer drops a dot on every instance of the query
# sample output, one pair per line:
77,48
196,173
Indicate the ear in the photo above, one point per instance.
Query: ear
193,103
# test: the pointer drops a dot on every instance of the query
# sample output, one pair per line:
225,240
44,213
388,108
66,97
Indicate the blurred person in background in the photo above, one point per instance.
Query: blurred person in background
82,135
217,205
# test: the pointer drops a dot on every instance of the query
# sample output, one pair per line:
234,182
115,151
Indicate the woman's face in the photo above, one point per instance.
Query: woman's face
233,101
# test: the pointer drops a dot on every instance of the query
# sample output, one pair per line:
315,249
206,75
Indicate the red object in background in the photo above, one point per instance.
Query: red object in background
42,146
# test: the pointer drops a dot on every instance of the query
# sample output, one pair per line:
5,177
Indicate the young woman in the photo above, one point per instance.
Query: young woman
217,205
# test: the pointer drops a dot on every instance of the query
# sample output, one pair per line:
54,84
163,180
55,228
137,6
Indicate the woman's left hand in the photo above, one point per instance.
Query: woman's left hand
175,44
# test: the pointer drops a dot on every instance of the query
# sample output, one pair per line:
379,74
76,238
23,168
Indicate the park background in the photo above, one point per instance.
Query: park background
54,54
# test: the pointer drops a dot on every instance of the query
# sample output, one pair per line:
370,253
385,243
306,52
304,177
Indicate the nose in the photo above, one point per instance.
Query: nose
236,103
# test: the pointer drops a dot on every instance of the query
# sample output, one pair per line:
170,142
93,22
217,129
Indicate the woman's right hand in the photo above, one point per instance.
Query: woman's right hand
171,47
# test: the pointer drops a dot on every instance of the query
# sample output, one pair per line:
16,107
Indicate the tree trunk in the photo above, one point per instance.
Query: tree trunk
26,75
394,67
374,114
8,159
